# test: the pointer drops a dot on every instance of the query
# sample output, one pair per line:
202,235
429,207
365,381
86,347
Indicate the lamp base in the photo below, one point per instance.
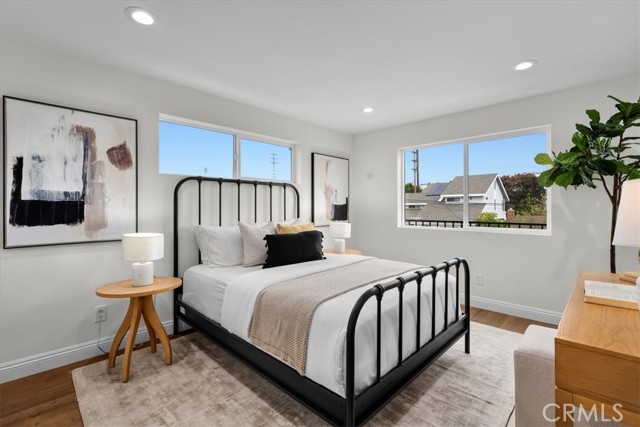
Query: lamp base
142,273
339,245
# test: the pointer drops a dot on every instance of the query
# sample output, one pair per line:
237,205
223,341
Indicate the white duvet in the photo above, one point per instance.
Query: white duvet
326,351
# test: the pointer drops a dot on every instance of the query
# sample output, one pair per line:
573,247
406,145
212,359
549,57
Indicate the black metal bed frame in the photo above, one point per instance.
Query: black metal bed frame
352,410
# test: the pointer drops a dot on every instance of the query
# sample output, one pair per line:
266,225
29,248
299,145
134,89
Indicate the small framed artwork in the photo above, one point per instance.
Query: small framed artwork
70,175
330,189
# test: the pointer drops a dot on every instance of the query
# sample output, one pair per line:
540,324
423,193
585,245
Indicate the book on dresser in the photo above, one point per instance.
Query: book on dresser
613,294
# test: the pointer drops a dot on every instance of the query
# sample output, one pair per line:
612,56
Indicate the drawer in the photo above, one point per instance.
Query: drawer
602,377
628,418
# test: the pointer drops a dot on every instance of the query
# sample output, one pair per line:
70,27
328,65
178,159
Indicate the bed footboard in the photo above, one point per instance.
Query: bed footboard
361,408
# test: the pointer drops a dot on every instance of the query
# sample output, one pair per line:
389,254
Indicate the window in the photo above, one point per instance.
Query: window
191,148
478,183
265,161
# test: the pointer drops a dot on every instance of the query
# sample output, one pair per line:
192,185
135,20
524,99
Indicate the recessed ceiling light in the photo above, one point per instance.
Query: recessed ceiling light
367,110
139,15
525,65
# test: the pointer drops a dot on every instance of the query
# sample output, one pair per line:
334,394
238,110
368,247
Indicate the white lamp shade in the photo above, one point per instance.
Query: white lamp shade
340,230
138,247
628,223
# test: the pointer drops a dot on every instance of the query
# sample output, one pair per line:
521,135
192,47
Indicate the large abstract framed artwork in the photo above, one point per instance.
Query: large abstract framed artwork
330,183
70,176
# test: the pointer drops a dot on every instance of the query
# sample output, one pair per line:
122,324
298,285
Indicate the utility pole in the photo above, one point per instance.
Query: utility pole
416,171
274,163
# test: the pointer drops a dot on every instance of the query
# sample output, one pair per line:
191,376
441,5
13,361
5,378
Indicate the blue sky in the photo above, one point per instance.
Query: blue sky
256,160
187,150
508,156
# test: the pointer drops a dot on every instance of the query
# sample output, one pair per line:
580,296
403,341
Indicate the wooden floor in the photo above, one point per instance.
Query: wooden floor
48,398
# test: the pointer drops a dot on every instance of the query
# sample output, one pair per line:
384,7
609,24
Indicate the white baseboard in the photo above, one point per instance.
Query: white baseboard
54,359
518,310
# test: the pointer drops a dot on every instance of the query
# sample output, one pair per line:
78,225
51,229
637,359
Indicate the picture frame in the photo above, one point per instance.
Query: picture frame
70,175
329,189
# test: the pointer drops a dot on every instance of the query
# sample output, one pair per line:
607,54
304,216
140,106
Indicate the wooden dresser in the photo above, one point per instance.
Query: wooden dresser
597,357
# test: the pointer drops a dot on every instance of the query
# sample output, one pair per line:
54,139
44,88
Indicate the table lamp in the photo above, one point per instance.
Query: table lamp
142,249
628,224
340,231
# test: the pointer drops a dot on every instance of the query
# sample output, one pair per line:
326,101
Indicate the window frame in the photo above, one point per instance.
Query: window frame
546,129
238,135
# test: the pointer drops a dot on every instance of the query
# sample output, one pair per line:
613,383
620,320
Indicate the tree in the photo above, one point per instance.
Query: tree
526,195
409,188
489,217
533,206
599,153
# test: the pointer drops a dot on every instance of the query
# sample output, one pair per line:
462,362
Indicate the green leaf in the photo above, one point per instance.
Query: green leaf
568,157
586,131
543,159
587,179
614,98
615,119
545,178
611,131
622,168
604,166
565,179
579,141
634,174
594,115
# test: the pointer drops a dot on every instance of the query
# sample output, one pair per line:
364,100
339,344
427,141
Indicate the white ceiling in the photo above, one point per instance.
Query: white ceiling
322,61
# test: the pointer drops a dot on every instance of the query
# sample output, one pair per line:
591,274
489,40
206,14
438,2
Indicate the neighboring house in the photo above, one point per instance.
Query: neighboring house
443,200
413,203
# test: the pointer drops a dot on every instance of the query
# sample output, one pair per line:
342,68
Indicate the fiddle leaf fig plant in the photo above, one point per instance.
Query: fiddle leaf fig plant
602,154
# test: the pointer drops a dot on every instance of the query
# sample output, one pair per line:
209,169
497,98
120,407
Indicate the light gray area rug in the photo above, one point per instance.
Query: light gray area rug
205,386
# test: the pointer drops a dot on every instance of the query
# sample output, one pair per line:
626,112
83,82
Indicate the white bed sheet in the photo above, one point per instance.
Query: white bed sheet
203,287
326,352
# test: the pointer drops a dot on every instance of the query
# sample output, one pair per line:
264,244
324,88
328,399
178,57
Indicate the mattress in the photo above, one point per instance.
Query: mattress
227,295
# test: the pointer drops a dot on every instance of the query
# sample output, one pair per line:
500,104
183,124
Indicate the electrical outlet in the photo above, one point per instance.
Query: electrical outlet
479,279
100,313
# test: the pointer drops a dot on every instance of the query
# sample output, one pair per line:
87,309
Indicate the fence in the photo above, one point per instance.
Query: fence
458,224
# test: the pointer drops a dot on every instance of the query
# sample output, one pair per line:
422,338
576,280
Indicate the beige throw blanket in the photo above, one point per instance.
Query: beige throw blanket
282,313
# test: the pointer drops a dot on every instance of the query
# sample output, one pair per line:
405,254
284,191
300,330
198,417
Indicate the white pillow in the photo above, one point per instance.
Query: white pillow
198,230
254,246
219,246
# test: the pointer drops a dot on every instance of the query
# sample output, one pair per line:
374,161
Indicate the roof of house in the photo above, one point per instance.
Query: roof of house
447,212
435,188
478,184
415,198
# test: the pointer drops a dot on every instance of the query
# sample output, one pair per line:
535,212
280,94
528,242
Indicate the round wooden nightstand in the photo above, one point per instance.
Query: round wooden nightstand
140,304
346,251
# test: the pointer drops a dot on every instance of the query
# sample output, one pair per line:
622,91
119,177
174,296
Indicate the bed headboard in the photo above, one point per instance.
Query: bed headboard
223,201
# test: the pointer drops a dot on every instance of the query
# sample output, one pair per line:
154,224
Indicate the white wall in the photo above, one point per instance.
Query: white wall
47,294
530,275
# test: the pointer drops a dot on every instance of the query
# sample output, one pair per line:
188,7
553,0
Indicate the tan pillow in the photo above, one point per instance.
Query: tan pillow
296,228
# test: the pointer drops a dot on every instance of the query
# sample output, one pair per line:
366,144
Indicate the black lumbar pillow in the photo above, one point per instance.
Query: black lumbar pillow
284,249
